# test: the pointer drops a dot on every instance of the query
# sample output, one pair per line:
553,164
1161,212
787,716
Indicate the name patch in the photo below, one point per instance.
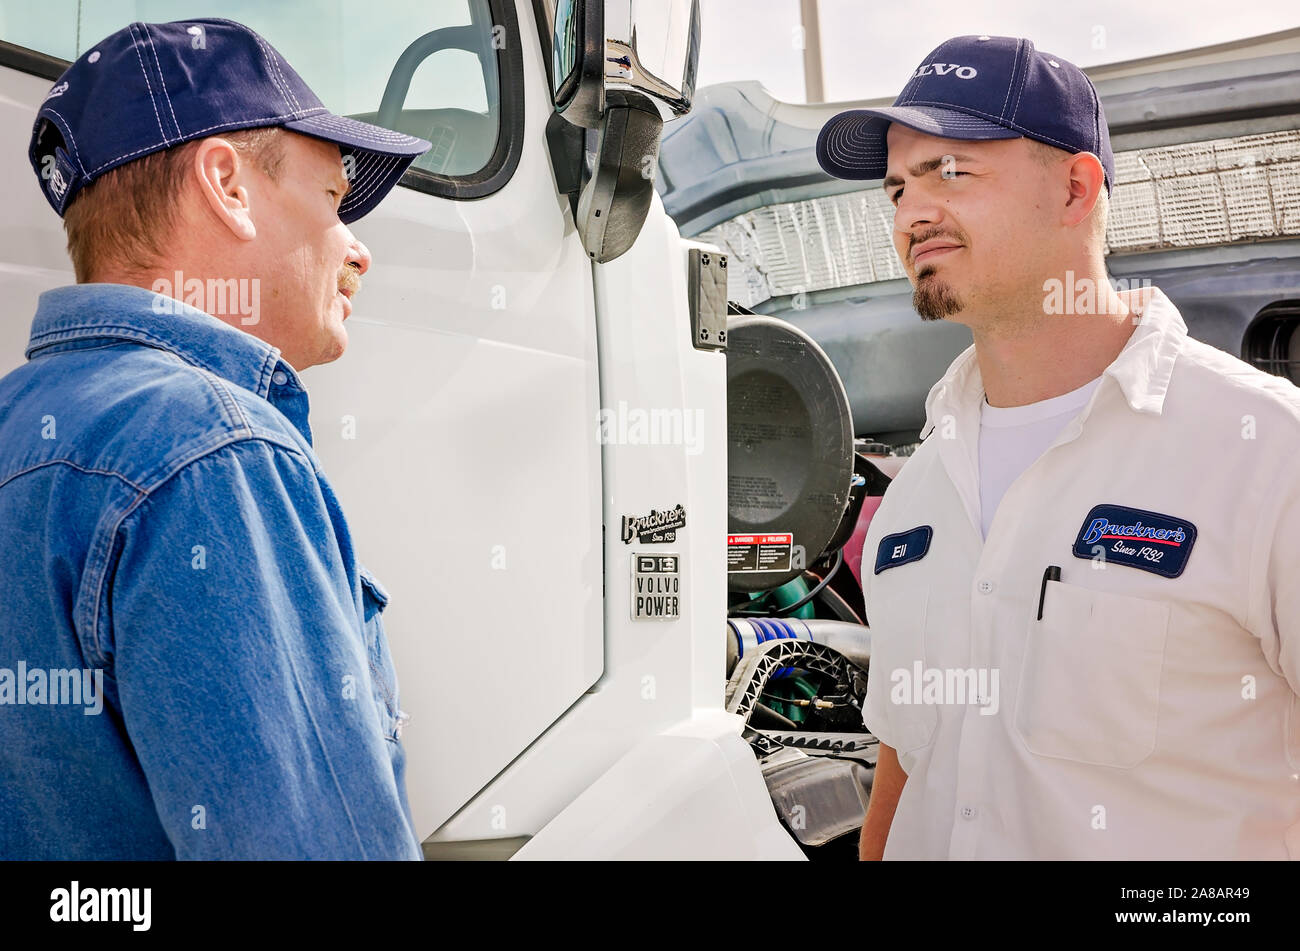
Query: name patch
902,547
1137,538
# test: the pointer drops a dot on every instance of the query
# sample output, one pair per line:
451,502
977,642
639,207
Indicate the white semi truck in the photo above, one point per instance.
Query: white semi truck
529,433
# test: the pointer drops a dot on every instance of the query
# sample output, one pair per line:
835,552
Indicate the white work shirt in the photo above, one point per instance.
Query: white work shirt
1012,437
1153,711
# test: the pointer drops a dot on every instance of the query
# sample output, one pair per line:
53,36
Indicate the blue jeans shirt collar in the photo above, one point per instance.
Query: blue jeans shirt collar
67,317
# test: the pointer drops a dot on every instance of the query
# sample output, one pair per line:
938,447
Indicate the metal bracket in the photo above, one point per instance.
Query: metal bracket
706,281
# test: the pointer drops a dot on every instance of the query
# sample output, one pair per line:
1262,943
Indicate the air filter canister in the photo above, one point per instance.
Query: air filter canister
789,452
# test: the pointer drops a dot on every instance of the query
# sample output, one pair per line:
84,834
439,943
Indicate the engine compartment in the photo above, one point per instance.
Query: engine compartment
798,644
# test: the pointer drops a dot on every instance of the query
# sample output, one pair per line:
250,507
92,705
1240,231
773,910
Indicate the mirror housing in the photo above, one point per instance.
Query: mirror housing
620,68
624,52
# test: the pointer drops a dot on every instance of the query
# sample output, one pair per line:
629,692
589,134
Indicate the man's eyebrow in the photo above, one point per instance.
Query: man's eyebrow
924,168
346,186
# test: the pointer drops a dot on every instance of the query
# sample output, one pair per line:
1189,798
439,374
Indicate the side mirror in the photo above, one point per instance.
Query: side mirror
622,68
640,53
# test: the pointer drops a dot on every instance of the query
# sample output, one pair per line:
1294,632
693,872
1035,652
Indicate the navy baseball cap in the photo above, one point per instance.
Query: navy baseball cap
976,87
152,86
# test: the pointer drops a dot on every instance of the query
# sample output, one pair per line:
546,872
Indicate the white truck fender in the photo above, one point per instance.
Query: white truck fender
694,791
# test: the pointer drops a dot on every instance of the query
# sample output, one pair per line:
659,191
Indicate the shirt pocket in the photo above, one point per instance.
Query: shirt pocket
383,675
1090,679
898,656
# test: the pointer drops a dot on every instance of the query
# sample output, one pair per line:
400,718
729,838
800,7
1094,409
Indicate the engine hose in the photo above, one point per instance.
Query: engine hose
764,715
798,606
745,634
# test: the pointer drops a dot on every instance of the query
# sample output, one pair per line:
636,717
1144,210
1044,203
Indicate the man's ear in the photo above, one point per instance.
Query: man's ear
223,178
1086,180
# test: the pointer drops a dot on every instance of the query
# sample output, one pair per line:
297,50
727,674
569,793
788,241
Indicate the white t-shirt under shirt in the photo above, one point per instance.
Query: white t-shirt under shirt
1012,437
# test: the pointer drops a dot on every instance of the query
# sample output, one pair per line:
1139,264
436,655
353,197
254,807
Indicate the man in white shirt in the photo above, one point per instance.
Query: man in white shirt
1086,632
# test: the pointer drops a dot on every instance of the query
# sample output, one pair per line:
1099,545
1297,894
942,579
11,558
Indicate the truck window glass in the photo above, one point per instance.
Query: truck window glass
427,69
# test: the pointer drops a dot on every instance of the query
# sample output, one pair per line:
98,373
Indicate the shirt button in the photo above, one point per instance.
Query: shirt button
986,587
968,812
279,378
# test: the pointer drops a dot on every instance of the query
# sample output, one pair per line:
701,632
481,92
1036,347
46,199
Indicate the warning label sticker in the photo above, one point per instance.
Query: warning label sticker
656,587
759,552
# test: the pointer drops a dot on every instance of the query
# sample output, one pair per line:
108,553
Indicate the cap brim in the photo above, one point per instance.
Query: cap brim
852,144
380,157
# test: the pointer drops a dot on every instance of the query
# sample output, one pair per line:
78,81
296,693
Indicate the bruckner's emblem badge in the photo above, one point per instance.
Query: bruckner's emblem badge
654,528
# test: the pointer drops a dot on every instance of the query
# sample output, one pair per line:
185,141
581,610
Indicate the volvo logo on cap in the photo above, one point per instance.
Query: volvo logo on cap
943,69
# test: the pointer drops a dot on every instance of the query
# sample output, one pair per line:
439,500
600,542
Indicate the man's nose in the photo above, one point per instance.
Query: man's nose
916,210
913,217
358,255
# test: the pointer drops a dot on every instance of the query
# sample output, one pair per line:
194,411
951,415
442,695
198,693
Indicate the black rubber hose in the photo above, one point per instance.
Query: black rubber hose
774,720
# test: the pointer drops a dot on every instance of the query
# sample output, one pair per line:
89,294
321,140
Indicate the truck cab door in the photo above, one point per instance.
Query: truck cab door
460,428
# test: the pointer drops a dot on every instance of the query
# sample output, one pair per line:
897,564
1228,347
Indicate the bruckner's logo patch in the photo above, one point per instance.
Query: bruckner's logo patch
1137,538
654,528
902,547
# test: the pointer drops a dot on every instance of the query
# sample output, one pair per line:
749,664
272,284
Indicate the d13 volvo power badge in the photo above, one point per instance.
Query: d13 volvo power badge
656,587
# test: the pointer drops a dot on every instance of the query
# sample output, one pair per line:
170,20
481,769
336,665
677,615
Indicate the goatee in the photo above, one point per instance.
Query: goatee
932,298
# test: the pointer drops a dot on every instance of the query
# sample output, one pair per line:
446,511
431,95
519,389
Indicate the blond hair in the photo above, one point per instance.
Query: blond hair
124,218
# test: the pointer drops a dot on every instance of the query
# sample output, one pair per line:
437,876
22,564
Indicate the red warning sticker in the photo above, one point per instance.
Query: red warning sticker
761,552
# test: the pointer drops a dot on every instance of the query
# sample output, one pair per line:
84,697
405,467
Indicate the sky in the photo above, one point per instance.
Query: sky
870,48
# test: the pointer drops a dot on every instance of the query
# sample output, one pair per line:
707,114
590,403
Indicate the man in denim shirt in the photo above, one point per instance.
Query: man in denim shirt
192,658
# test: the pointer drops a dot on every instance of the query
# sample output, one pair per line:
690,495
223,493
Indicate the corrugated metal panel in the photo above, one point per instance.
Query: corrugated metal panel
1199,194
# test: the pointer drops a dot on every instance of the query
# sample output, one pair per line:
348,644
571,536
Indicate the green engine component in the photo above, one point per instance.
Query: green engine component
781,691
786,595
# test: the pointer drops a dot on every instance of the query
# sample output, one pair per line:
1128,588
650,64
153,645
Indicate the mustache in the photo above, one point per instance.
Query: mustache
350,278
957,239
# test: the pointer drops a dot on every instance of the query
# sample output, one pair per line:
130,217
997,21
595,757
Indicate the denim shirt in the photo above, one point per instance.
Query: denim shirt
192,660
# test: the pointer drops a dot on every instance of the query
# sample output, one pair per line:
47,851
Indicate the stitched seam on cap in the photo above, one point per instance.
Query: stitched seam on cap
850,151
1096,120
270,72
66,137
1007,98
1005,123
996,120
193,135
378,134
144,72
275,64
1068,146
162,82
283,83
371,185
383,170
1024,77
360,188
1016,111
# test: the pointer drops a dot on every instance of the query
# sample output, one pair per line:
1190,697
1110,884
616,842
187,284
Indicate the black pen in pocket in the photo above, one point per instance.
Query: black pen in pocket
1053,573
